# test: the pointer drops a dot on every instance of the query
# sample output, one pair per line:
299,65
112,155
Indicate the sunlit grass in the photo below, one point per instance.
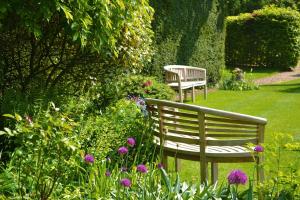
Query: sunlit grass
279,103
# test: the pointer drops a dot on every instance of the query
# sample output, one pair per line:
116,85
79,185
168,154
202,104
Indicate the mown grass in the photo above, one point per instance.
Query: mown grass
279,103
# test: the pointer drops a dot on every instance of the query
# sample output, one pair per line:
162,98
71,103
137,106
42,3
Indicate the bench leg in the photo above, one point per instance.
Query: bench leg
203,171
177,164
180,96
185,95
260,171
165,162
214,172
193,94
205,92
260,176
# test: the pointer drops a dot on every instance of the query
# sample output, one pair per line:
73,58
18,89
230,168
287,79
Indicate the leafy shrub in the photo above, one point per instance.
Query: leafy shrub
265,38
189,33
103,134
284,181
50,164
238,81
235,7
136,85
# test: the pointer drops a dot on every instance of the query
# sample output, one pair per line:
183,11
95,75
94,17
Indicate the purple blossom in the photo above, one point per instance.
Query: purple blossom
142,168
89,158
160,166
237,177
131,141
258,148
122,150
125,182
107,173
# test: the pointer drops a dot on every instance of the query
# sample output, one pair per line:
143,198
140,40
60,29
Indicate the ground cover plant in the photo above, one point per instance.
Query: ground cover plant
238,80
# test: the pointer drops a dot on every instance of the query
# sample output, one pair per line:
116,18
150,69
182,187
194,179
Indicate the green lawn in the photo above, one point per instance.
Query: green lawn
279,103
256,73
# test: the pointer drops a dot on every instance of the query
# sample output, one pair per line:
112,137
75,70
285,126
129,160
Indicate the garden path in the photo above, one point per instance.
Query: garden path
280,77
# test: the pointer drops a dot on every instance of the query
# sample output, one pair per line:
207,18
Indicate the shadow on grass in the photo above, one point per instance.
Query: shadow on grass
288,88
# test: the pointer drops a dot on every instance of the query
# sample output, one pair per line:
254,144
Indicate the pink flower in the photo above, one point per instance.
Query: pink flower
28,119
131,141
122,150
89,158
237,177
147,83
142,168
258,148
125,182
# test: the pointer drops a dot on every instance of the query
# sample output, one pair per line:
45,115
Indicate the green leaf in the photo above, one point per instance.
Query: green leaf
166,179
3,133
67,12
9,116
18,117
8,131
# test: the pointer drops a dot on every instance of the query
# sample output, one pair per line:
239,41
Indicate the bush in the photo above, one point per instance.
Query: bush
136,85
238,81
189,33
265,38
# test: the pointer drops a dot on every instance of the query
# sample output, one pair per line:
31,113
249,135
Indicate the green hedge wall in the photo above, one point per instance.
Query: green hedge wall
189,32
269,37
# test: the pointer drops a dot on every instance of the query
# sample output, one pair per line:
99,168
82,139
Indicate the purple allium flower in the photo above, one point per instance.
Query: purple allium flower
258,148
131,141
237,177
122,150
89,158
123,169
125,182
160,166
107,173
142,168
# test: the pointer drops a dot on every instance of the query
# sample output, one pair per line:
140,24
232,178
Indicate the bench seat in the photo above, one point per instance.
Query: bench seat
211,151
186,85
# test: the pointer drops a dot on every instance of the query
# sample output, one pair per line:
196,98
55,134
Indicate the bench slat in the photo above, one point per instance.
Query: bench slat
231,125
230,142
229,130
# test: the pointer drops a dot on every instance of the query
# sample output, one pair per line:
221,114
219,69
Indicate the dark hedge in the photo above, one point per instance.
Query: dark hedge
190,33
269,37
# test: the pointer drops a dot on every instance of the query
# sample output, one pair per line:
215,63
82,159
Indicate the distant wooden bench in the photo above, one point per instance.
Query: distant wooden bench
203,134
181,77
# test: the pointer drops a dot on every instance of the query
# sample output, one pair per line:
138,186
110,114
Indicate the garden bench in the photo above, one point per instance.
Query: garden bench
181,77
204,134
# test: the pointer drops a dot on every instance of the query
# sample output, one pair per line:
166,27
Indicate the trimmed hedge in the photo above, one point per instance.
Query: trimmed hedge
189,33
268,37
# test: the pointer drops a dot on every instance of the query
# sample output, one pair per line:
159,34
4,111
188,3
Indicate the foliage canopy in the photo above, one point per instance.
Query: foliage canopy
49,43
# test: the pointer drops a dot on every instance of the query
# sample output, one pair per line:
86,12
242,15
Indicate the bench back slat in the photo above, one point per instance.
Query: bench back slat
202,126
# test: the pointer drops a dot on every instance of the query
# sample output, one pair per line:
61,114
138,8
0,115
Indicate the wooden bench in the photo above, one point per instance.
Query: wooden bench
181,77
203,134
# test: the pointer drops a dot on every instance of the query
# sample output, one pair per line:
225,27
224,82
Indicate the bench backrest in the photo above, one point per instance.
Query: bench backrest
186,73
203,126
